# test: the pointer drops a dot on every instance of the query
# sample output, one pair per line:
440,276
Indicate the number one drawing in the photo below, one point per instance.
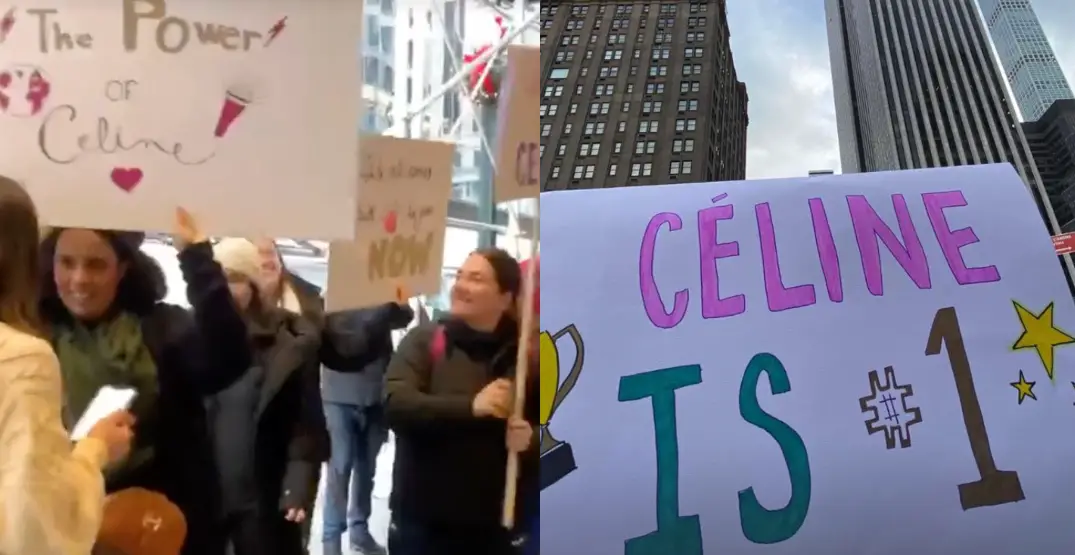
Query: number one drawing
995,487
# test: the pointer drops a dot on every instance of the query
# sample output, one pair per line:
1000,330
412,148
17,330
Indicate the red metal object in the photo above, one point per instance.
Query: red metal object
488,87
1064,243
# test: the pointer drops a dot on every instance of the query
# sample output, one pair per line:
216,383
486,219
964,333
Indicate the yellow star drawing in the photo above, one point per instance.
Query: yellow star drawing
1040,334
1025,388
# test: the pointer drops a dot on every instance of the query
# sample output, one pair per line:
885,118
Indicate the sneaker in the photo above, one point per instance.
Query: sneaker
366,546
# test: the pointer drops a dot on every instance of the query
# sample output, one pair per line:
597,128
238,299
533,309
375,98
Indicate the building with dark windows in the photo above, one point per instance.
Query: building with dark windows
639,93
1052,141
916,86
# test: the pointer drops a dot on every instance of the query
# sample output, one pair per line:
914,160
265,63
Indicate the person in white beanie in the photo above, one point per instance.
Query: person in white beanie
268,428
355,348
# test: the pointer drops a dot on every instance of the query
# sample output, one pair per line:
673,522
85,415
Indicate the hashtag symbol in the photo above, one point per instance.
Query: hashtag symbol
889,402
894,429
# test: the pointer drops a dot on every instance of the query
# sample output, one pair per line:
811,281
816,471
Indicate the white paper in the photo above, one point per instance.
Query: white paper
108,400
728,315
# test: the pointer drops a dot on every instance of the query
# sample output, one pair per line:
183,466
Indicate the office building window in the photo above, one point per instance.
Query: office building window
612,170
546,130
646,147
621,127
589,149
649,126
686,124
555,172
686,168
673,168
683,145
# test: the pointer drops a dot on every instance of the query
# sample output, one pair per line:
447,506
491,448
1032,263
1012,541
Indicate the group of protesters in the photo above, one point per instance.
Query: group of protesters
248,402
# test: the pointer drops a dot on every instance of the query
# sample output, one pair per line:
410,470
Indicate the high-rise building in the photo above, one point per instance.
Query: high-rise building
916,86
1028,61
1052,141
639,93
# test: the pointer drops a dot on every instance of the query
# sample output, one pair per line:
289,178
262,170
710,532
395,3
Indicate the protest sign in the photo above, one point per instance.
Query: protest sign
881,365
518,155
404,189
116,112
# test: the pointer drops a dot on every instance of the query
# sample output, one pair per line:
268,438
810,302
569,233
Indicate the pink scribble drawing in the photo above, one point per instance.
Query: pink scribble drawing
236,99
7,24
275,31
127,178
24,90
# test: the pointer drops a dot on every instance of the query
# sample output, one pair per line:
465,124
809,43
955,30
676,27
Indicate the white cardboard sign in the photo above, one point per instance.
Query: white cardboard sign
113,113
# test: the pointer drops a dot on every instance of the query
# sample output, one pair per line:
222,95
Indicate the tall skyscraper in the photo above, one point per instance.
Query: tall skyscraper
639,92
1028,61
916,86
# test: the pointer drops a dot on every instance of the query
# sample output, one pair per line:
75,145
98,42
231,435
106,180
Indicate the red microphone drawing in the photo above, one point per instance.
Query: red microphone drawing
236,99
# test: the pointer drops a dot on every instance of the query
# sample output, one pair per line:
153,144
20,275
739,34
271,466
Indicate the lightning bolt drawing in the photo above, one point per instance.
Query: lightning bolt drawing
6,24
275,30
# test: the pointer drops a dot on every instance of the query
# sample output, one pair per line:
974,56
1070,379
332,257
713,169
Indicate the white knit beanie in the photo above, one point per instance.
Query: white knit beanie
239,256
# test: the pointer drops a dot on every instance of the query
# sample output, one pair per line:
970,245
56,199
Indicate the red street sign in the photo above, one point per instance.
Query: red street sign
1064,243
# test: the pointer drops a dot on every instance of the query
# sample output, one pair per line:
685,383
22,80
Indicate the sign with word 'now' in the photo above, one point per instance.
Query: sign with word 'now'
403,193
113,113
883,365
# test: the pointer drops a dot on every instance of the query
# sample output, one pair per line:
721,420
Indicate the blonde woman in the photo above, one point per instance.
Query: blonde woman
53,493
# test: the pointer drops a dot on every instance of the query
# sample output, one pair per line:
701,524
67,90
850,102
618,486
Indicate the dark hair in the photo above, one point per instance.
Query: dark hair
143,284
506,270
19,236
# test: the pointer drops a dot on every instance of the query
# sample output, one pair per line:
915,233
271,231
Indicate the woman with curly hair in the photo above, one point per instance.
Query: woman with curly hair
103,311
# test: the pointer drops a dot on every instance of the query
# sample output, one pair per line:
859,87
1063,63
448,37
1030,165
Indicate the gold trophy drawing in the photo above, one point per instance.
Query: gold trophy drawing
557,458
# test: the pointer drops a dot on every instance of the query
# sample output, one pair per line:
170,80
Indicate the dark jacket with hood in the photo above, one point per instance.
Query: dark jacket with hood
370,332
268,426
196,353
356,346
450,465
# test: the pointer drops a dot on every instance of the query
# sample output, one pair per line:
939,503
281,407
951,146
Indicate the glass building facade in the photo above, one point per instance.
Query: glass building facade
1029,63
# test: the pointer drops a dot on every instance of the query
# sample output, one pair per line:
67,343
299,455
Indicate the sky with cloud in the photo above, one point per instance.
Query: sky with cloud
781,53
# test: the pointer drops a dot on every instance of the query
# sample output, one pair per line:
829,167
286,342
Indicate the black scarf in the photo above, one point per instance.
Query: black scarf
497,347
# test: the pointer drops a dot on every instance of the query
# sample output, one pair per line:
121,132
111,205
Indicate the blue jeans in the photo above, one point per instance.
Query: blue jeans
357,434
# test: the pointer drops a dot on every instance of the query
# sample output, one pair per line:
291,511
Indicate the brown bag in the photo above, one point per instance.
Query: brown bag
140,522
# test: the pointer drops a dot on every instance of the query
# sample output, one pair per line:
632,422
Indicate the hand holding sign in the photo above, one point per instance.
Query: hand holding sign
186,230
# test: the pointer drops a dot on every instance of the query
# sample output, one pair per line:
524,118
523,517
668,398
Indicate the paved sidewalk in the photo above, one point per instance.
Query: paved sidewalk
382,487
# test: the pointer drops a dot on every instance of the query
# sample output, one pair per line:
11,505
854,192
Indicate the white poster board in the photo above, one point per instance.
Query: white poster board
518,156
875,363
402,215
243,112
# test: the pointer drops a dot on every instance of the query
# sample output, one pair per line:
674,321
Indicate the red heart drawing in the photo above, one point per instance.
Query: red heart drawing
390,222
126,178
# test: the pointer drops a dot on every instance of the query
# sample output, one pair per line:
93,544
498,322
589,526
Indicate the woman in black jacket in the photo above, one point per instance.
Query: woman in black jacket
355,347
102,304
268,428
448,398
